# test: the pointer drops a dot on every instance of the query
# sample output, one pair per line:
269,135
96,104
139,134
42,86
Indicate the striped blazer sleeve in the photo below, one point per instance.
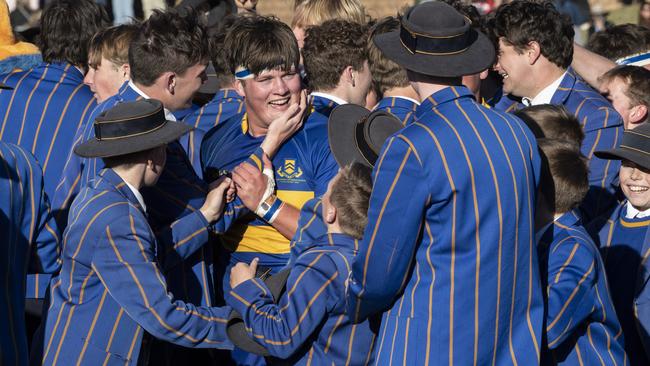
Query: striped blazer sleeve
46,251
571,299
282,328
396,211
125,261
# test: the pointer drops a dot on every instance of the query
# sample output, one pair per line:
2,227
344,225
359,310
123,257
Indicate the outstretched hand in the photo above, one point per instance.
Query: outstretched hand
221,190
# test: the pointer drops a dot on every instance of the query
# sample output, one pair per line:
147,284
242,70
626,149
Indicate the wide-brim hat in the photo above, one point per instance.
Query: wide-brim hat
635,147
356,135
236,328
131,127
434,39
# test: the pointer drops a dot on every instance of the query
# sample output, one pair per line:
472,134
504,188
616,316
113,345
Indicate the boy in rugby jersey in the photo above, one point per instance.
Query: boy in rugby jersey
311,325
581,324
624,243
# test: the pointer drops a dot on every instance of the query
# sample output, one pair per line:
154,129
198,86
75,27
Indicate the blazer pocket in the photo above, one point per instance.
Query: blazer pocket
97,355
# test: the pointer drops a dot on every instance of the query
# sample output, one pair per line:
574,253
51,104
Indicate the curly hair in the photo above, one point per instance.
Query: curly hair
66,29
171,40
351,196
523,21
620,41
261,43
330,48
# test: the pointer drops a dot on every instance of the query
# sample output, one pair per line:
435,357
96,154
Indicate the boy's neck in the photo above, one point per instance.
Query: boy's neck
334,228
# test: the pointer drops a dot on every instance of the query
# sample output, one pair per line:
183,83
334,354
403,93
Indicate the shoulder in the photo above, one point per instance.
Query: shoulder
584,101
573,242
229,126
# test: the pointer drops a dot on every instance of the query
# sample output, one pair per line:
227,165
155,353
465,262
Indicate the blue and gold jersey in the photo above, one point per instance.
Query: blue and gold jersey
303,166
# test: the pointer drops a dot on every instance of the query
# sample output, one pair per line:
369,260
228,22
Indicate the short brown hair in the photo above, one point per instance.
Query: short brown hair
112,44
315,12
565,176
261,43
636,78
552,122
330,48
620,41
171,40
351,195
386,74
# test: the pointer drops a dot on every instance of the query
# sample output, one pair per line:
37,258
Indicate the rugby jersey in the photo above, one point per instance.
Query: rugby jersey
303,167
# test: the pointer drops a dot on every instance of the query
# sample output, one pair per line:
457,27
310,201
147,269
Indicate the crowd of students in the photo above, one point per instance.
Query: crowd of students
434,187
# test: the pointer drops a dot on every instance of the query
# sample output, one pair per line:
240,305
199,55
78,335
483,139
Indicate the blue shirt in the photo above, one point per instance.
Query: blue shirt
603,128
581,323
30,244
111,287
309,324
448,252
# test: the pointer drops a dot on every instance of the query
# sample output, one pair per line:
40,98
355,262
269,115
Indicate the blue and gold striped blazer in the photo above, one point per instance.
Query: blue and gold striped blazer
603,128
30,244
449,249
111,286
581,323
402,108
308,324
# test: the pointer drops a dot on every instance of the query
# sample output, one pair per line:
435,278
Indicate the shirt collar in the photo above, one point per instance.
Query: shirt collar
331,97
545,96
137,195
168,115
407,98
632,213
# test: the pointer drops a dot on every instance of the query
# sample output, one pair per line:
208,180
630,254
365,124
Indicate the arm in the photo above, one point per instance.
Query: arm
590,66
314,284
572,275
395,215
124,260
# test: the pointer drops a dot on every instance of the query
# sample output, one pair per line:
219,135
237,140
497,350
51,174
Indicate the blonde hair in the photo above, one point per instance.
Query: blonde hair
315,12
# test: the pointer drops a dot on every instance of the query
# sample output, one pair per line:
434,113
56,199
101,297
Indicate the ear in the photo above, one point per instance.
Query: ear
125,70
484,74
170,81
638,113
239,87
348,75
330,215
532,52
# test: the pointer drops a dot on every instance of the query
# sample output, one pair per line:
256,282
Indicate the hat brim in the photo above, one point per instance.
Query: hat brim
169,132
341,134
623,153
478,57
236,328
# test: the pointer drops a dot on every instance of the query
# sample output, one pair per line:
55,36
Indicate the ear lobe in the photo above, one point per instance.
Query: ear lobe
330,217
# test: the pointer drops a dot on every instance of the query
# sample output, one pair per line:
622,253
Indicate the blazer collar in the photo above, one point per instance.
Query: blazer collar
441,97
321,104
110,180
566,87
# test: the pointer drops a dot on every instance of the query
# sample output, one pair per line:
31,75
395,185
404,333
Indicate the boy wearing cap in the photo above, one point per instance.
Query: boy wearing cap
309,323
111,286
623,241
535,45
448,254
581,323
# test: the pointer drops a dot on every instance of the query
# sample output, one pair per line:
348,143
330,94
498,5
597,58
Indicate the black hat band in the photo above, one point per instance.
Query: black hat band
124,128
435,45
362,142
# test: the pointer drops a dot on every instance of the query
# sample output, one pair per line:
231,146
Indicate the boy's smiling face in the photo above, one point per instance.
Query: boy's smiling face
635,184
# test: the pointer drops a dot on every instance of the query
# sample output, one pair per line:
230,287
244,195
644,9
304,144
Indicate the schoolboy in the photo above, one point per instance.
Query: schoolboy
622,239
628,89
326,335
581,323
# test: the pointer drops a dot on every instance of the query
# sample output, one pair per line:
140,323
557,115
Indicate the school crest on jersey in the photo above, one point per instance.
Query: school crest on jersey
290,170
